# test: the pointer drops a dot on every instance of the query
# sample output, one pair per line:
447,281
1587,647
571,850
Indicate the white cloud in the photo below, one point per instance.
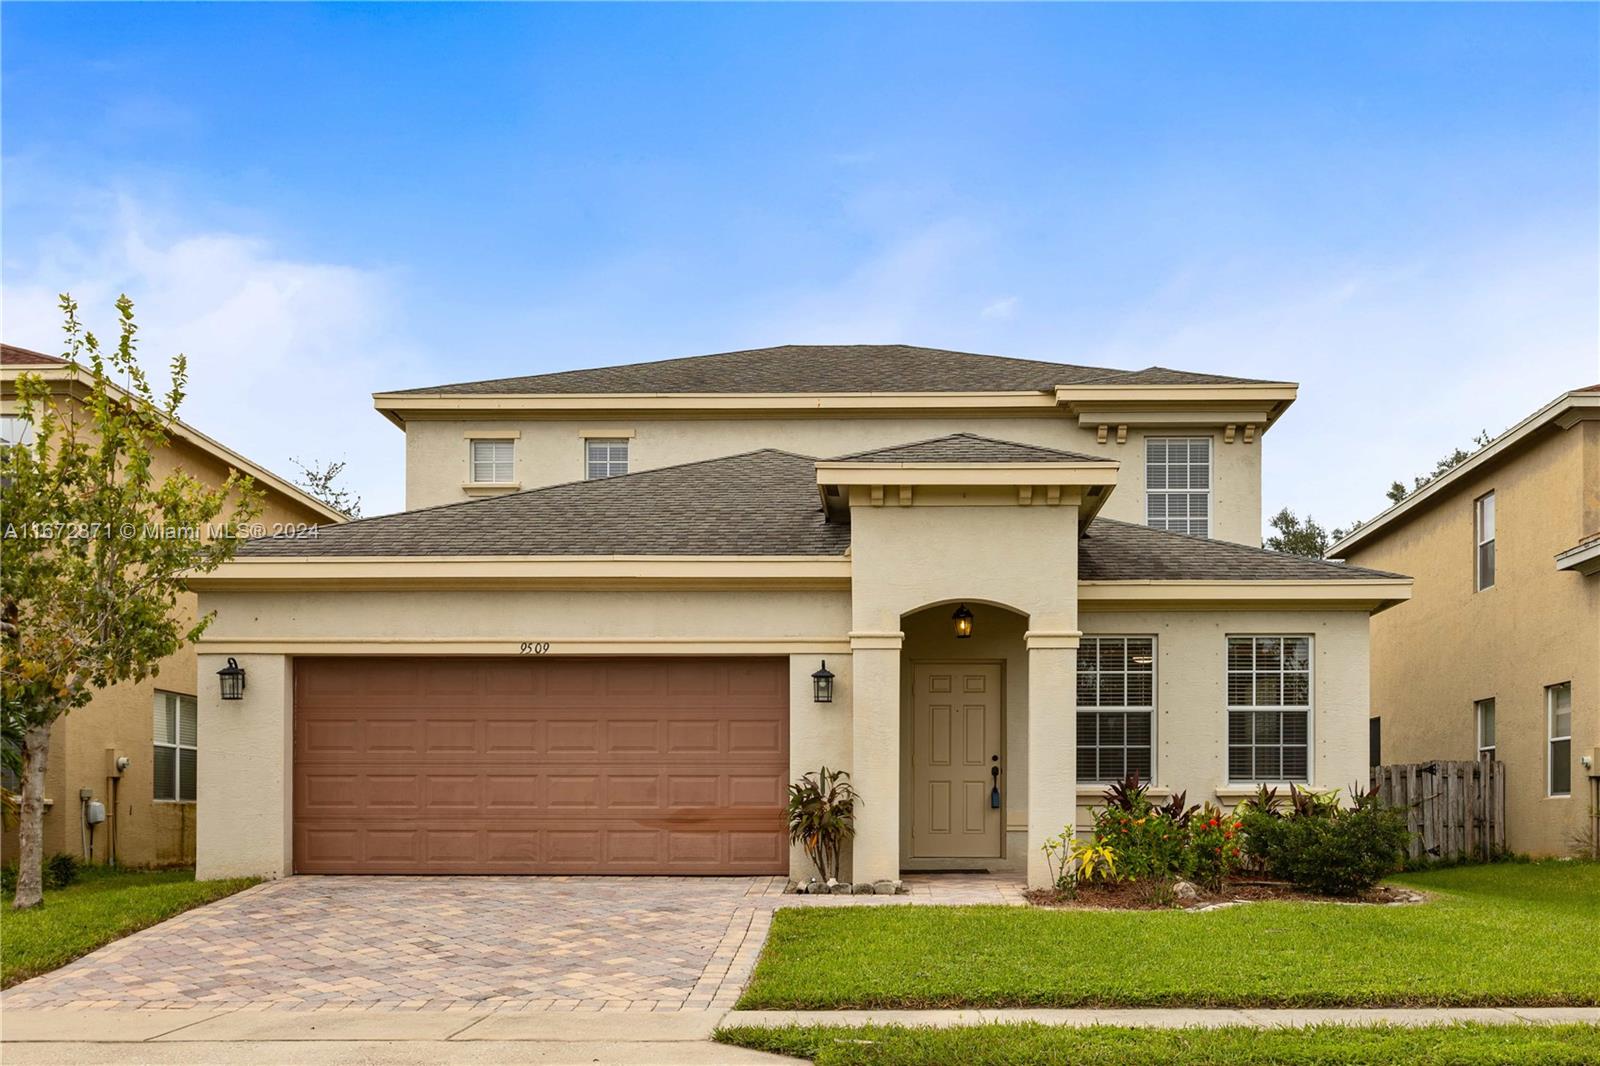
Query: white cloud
1005,307
283,352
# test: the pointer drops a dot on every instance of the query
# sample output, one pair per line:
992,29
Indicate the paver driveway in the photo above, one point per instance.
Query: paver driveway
455,943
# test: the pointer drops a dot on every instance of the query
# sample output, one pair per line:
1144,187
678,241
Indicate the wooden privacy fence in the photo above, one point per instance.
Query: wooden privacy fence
1455,810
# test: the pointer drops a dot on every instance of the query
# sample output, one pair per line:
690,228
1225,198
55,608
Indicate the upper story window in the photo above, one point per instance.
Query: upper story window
492,462
176,747
1483,524
1558,708
1269,708
15,429
605,457
1483,711
1177,484
1116,707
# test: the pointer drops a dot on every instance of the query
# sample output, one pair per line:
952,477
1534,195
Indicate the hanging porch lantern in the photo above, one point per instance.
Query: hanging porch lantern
822,685
231,679
963,620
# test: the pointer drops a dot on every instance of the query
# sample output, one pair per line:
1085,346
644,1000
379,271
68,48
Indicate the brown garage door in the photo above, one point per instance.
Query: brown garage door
488,766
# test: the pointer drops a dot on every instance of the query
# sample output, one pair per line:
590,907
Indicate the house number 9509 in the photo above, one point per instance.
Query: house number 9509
534,647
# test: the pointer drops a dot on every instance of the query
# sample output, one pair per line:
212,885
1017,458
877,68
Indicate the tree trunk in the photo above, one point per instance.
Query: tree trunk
30,828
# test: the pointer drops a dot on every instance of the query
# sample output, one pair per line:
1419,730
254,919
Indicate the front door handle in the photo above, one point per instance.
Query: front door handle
994,786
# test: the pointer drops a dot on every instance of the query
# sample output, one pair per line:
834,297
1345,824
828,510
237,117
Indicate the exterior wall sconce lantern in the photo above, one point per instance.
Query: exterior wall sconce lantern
231,678
963,620
822,685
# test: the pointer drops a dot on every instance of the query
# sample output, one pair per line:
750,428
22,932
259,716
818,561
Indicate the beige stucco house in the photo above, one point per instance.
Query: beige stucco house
590,645
1498,652
150,803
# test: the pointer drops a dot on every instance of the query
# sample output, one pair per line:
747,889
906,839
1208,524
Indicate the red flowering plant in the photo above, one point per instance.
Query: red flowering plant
1214,847
1150,841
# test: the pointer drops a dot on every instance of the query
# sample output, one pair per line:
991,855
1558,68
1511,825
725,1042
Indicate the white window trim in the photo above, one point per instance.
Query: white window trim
627,452
1310,708
1551,740
1211,480
177,746
1155,701
1477,718
472,460
1478,541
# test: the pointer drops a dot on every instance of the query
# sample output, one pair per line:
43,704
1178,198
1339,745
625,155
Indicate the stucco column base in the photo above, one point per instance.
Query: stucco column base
875,728
1052,745
245,789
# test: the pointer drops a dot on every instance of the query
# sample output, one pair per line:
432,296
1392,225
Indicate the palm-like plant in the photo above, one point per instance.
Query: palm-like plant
822,813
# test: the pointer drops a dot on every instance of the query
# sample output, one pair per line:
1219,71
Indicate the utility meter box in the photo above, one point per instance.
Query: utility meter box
94,812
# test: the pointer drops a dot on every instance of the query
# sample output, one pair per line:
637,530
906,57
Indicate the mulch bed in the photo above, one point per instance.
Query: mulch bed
1148,896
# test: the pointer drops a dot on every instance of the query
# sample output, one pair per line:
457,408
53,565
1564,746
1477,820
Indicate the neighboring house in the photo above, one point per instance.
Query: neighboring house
593,647
150,805
1498,653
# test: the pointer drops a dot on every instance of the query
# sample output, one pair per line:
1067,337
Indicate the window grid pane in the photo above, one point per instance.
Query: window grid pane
1269,700
1178,484
1558,703
1116,672
492,462
176,738
605,458
1484,523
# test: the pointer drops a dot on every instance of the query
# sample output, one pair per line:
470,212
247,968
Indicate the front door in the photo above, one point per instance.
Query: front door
956,717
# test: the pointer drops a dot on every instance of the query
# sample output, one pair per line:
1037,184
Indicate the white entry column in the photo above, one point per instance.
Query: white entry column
1052,744
875,710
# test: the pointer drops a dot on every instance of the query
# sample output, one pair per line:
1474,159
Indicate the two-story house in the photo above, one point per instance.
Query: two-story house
134,748
1498,653
629,605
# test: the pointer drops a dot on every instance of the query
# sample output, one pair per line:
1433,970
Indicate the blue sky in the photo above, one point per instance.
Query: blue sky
1397,206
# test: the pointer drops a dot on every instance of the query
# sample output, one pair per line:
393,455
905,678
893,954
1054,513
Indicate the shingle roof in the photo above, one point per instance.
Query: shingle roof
792,368
759,503
1120,551
968,448
11,355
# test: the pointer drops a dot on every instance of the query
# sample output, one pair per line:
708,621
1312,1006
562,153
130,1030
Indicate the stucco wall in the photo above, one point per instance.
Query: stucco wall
1450,645
551,452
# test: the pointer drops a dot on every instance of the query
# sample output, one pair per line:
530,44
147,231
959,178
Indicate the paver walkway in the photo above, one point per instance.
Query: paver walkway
477,944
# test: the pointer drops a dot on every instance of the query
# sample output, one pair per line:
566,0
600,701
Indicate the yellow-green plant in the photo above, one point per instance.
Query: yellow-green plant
1093,862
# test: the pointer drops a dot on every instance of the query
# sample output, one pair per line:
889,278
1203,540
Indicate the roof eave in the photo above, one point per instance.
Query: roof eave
1368,594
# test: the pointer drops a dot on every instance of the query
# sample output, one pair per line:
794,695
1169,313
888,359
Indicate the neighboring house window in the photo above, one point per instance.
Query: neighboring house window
1483,522
1116,707
1269,708
492,462
15,429
1483,710
605,457
1375,741
176,744
1177,482
1558,704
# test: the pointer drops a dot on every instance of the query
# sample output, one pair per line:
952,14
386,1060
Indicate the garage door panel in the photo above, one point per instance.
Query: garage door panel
628,766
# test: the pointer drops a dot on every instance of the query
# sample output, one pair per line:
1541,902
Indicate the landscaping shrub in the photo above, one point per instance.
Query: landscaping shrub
8,879
822,813
1319,845
1165,842
60,870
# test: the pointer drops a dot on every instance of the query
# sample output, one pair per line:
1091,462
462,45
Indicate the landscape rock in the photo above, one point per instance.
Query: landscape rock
1184,892
884,888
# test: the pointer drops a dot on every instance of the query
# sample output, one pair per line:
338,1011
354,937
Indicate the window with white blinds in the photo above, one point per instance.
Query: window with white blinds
1177,484
605,458
1116,707
176,746
1269,708
492,462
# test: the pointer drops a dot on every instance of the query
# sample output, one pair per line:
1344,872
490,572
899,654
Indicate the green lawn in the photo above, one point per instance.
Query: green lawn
103,906
1041,1045
1503,934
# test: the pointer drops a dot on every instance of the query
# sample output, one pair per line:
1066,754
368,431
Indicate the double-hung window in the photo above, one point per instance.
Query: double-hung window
1483,711
1116,707
176,747
1269,708
1177,484
1483,526
605,457
1558,711
492,462
16,429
